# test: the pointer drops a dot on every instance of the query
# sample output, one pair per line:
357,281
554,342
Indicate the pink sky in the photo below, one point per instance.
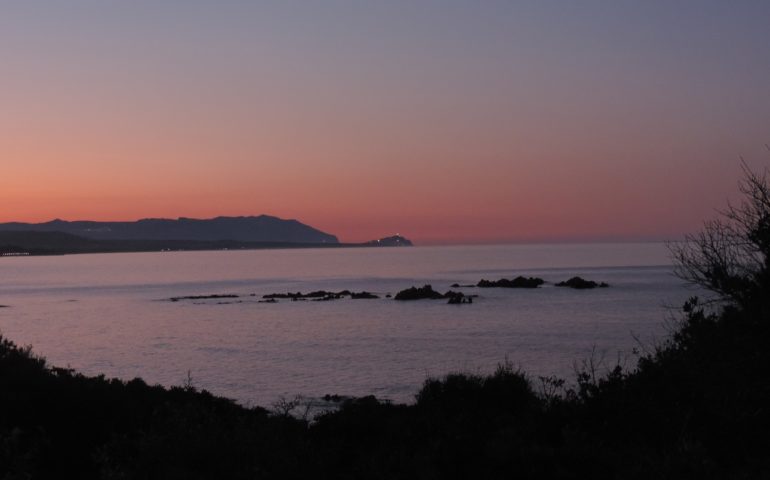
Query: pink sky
464,125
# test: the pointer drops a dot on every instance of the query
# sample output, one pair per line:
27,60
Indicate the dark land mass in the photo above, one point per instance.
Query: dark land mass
61,243
394,241
693,407
581,284
518,282
259,229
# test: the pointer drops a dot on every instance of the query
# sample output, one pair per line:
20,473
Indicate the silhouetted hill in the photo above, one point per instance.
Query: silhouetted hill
394,241
694,407
263,228
60,243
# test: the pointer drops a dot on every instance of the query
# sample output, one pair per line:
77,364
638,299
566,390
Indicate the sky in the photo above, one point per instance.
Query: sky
445,121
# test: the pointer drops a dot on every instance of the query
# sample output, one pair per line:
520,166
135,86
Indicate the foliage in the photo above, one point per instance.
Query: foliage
730,255
695,407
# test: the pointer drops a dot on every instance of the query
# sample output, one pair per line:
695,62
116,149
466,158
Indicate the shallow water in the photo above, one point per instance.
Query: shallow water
110,314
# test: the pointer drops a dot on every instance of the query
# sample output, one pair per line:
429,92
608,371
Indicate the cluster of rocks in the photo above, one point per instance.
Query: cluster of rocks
534,282
427,292
318,296
421,293
203,297
412,293
459,298
518,282
581,284
364,295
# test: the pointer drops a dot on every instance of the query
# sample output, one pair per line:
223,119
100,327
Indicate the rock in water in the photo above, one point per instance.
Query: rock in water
518,282
581,284
415,293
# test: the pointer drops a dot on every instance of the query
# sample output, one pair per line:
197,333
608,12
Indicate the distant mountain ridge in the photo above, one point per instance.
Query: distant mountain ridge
262,228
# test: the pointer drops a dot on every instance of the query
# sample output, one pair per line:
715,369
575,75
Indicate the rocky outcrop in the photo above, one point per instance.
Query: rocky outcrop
518,282
394,241
203,297
320,295
421,293
316,295
363,295
581,284
427,292
262,228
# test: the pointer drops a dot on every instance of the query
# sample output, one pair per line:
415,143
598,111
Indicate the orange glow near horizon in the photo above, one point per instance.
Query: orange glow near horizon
446,126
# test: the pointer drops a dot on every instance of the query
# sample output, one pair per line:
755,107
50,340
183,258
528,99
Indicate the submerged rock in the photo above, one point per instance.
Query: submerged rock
282,295
326,298
318,294
581,283
363,294
518,282
203,297
457,298
451,294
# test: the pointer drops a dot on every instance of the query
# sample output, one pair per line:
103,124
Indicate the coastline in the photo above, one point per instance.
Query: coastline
144,246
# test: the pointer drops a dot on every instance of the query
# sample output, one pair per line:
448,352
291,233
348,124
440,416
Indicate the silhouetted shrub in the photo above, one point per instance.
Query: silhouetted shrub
695,407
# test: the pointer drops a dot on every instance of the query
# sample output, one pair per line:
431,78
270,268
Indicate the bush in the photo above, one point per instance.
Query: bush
730,256
696,407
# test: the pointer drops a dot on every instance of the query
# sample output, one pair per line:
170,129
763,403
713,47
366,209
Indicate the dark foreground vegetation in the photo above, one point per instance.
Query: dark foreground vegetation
696,406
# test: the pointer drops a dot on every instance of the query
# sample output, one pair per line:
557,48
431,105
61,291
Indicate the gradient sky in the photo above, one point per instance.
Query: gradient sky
446,121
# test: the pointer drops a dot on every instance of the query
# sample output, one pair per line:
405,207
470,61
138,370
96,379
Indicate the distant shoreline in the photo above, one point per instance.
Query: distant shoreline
38,243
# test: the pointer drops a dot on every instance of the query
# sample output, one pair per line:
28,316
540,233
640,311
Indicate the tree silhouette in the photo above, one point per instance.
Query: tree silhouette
731,255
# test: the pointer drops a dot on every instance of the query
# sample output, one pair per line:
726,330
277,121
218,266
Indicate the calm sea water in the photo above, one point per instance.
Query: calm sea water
111,314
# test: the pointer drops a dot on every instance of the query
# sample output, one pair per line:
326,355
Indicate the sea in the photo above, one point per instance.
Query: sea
112,314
